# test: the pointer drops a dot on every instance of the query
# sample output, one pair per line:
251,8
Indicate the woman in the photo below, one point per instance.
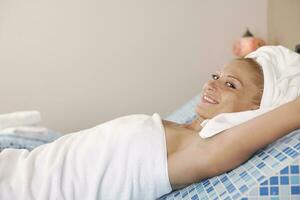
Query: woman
243,90
144,157
236,88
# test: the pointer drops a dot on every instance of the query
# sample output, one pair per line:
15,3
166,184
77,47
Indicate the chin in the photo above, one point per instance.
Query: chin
201,113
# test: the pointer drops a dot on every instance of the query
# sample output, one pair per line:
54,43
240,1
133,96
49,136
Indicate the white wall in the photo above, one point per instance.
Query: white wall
83,62
283,22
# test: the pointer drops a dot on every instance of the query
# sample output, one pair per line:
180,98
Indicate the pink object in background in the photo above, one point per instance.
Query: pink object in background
247,44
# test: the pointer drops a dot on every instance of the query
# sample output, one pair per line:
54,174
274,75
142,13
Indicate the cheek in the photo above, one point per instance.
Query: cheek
239,103
230,103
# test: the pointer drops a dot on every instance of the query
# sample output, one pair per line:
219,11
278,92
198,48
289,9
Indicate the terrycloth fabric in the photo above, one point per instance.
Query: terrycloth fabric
281,69
125,158
21,118
28,131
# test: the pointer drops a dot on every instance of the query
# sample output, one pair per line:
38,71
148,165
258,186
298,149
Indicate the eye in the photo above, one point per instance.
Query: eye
215,76
231,85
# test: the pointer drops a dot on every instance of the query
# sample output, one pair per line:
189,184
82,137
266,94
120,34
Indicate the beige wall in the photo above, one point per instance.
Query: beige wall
83,62
284,22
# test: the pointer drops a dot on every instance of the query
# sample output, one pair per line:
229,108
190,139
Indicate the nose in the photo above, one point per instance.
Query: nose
211,85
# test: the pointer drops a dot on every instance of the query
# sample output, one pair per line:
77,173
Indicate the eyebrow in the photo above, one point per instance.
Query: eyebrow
231,76
236,79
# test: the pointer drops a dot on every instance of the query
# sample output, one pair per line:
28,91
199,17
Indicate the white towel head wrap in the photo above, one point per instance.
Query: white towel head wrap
281,69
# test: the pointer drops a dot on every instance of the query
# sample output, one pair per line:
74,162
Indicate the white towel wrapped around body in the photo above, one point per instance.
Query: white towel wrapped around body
281,69
125,158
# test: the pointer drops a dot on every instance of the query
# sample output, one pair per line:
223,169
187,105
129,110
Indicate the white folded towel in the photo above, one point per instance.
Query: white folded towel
22,118
281,69
28,131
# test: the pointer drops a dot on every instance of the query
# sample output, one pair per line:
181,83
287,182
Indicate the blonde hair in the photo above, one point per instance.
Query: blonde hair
258,78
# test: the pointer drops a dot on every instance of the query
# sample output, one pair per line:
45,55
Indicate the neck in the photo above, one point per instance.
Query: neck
196,124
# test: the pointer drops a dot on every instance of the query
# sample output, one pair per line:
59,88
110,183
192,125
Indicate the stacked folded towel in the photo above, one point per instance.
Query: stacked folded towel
19,119
23,122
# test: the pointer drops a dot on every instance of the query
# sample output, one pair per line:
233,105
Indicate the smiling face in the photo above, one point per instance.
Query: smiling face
237,87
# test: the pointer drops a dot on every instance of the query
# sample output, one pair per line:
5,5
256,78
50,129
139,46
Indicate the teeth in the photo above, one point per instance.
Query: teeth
210,100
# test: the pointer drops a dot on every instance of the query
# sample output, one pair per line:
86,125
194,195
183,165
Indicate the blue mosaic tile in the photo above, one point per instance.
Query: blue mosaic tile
285,170
295,180
274,190
294,169
295,190
263,191
284,180
265,182
274,180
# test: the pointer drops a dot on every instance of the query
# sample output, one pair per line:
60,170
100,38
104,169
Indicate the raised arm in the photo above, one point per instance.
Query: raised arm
234,146
229,149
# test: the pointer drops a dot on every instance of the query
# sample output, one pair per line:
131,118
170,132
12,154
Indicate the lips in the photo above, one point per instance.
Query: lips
209,99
